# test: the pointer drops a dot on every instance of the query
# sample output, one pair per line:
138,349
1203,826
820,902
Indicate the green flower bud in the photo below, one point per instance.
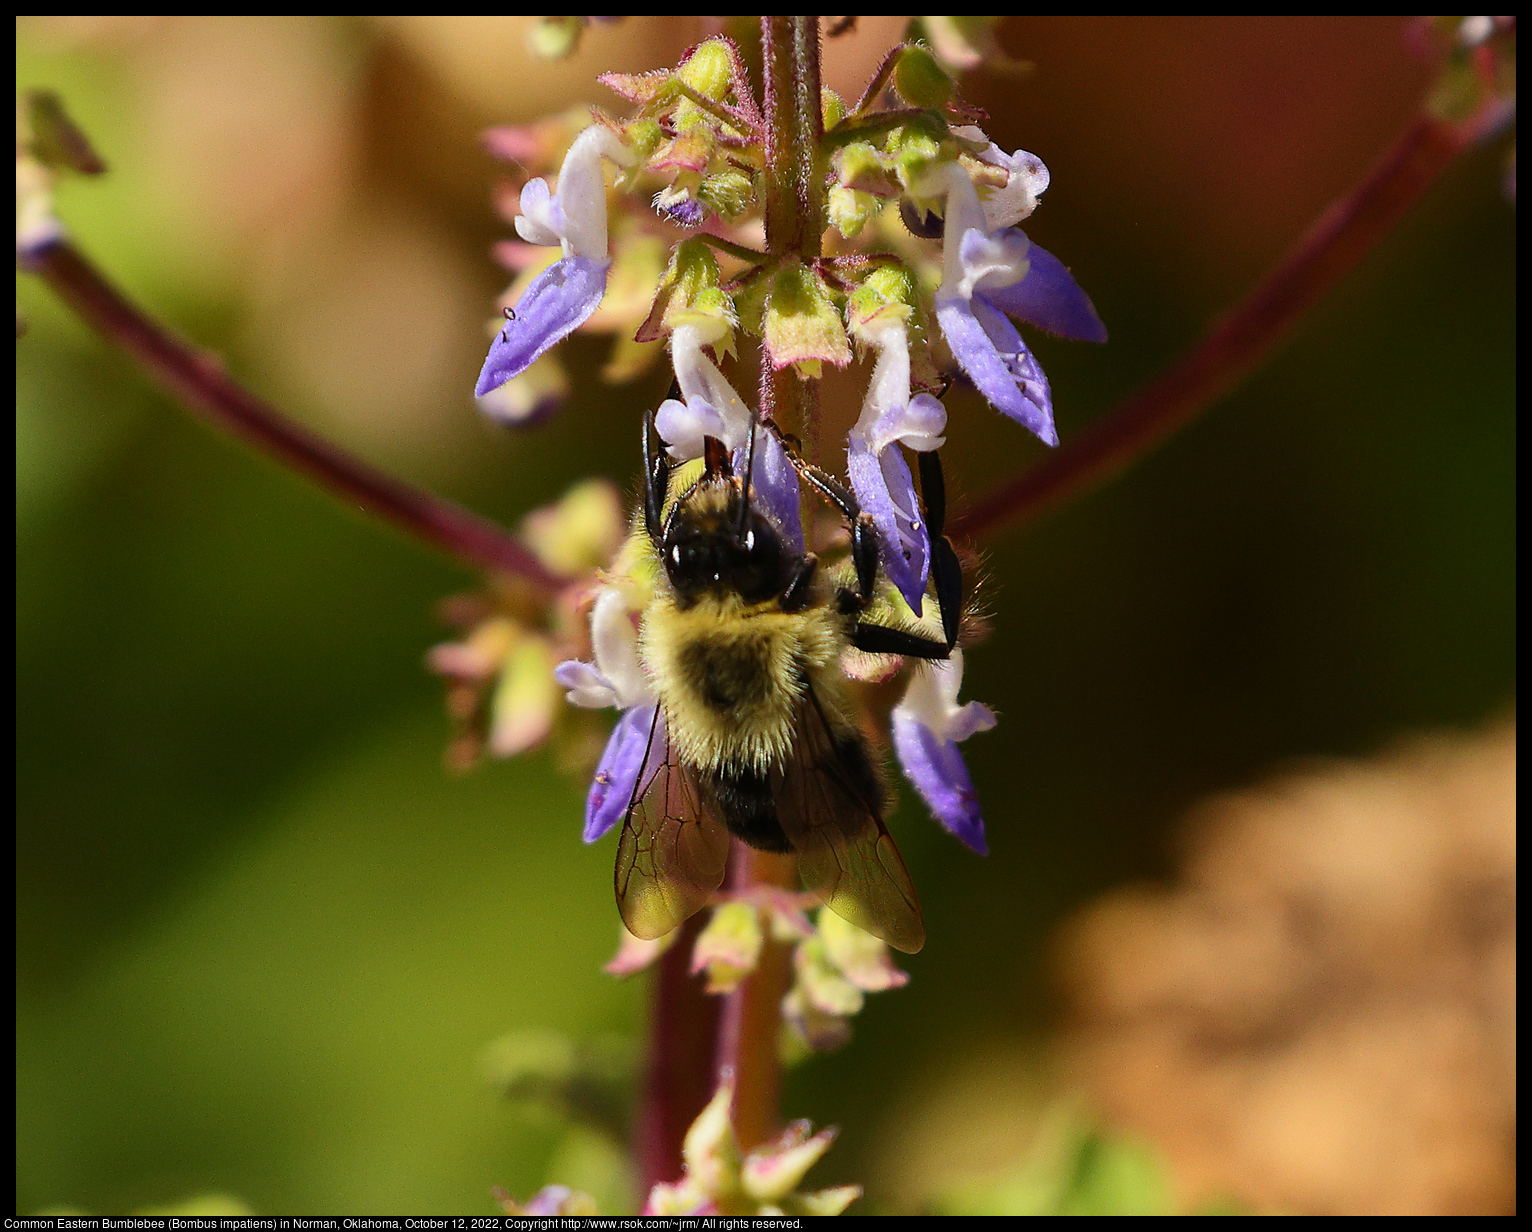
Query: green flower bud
730,193
802,325
581,530
710,1149
751,297
862,958
729,947
850,210
822,982
860,166
887,292
773,1170
643,136
921,80
526,696
913,153
832,108
832,1201
694,290
709,70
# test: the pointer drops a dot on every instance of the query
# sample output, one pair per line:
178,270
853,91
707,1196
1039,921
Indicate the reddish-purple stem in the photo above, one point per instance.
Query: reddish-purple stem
678,1073
198,381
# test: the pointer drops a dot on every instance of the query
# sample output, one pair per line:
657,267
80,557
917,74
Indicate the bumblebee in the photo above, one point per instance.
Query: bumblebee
754,733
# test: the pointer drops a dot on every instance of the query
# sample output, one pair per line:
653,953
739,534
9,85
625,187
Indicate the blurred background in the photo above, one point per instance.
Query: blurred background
264,938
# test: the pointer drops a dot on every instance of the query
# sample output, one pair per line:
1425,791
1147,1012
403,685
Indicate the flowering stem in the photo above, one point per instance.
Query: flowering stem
748,1054
197,380
794,191
678,1074
1338,240
749,1030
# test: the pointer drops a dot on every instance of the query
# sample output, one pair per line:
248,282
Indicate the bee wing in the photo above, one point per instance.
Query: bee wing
828,802
673,849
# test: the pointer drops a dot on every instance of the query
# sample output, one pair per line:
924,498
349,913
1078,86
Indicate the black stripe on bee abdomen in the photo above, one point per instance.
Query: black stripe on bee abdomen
728,675
748,809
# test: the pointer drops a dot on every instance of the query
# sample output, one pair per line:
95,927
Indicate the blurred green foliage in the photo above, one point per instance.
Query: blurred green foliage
263,938
1077,1168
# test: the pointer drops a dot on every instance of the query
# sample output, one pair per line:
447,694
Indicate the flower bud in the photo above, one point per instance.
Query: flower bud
710,1149
822,982
695,292
921,80
521,712
729,193
581,530
643,136
883,297
862,958
802,325
914,153
729,947
634,954
831,1201
773,1170
832,108
860,166
709,70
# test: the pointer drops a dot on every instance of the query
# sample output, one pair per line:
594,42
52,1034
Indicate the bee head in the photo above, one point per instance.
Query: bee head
716,543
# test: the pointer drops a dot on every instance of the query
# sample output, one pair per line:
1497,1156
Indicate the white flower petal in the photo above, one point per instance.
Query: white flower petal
931,700
701,381
586,684
614,642
541,221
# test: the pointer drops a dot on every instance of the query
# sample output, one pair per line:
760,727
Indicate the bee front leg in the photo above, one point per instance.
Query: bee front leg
795,595
946,571
656,481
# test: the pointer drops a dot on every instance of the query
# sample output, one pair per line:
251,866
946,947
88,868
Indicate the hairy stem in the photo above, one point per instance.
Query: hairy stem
198,381
1338,240
794,190
747,1055
749,1029
678,1075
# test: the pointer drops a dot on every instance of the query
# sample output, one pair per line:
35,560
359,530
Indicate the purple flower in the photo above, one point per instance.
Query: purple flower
564,295
774,486
879,475
616,678
928,724
553,307
990,273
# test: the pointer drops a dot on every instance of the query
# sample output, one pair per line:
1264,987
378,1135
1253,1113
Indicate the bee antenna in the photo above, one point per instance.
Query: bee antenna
744,508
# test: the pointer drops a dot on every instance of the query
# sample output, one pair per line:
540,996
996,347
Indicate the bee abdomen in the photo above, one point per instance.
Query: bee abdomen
748,809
